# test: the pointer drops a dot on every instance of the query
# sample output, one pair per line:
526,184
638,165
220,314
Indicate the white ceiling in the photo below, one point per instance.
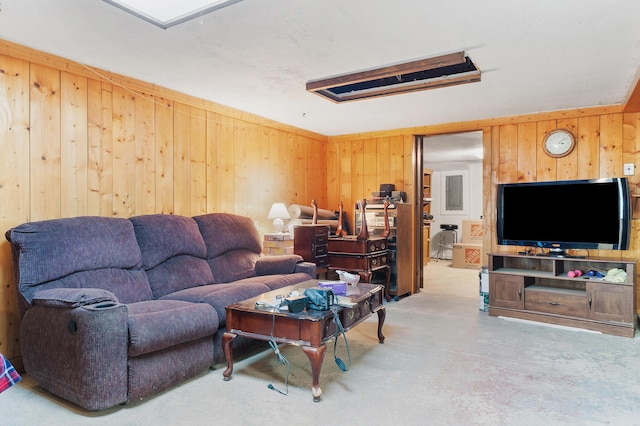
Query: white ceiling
257,55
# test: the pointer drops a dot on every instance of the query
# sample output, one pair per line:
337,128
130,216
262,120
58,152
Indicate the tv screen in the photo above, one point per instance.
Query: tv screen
561,215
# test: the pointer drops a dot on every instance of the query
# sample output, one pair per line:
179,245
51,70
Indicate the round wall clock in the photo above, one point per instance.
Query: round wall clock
559,143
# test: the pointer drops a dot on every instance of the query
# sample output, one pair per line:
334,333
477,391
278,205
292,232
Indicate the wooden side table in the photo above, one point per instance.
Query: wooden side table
311,242
363,257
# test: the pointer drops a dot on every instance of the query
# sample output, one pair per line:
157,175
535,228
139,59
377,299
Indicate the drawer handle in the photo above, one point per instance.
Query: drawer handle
520,293
555,303
589,299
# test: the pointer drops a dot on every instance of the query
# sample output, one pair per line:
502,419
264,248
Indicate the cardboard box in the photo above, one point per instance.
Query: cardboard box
472,231
271,251
467,256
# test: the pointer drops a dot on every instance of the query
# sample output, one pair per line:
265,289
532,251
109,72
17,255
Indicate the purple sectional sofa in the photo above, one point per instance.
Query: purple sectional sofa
116,310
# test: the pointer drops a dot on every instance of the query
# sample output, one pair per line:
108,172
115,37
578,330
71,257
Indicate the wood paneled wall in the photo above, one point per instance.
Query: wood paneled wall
74,144
357,167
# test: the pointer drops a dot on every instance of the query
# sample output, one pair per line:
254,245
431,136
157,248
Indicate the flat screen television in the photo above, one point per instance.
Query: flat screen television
563,215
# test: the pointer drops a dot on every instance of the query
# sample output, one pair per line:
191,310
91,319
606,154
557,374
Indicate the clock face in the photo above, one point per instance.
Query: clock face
559,143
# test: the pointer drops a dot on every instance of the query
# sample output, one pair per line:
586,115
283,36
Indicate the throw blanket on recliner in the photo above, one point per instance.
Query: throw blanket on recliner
8,375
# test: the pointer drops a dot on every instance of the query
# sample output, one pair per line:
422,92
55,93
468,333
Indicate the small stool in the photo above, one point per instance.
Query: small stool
446,229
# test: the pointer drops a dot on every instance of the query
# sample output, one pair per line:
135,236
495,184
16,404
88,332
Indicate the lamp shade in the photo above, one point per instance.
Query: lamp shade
278,212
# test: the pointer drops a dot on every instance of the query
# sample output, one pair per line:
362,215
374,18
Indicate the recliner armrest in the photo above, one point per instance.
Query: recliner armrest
78,353
280,264
307,267
73,297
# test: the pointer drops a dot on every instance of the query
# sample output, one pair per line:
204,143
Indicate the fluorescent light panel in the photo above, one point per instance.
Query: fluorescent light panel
167,13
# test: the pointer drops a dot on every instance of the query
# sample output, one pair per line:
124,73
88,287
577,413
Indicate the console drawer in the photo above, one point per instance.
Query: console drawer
363,309
556,301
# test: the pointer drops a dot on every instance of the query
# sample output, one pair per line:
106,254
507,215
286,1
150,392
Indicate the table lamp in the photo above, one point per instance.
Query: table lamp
278,212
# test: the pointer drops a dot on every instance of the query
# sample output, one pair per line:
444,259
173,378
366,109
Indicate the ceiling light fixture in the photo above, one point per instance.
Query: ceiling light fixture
440,71
168,13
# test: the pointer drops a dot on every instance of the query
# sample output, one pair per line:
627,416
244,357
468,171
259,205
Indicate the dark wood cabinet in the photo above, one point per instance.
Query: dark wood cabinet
363,257
311,242
547,289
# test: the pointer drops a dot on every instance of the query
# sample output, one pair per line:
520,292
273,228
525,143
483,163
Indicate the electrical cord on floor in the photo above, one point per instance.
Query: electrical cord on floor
341,365
281,360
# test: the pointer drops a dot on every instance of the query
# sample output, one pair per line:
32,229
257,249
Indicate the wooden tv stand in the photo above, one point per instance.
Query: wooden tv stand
538,288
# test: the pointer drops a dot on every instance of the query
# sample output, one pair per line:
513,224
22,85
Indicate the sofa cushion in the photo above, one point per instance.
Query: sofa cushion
158,324
79,252
220,295
223,232
233,265
233,245
162,236
127,285
178,273
173,252
277,281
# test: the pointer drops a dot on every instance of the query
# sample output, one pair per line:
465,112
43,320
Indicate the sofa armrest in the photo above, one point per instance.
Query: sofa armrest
280,264
307,267
73,297
78,353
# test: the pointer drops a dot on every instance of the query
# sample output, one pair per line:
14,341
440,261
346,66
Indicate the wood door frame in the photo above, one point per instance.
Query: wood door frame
417,166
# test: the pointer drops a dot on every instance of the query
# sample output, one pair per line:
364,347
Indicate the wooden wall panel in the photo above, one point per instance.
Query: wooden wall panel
197,162
145,189
124,153
527,152
73,154
332,169
547,166
407,183
226,182
631,147
44,125
164,154
99,149
610,145
14,186
588,144
182,159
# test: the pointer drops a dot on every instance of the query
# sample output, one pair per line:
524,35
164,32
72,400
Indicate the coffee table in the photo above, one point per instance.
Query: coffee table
307,329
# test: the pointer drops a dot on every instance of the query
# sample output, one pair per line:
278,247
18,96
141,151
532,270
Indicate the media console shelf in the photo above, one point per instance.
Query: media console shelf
539,288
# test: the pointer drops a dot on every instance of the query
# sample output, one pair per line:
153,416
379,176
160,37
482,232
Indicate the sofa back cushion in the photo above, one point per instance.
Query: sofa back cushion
233,245
79,252
173,252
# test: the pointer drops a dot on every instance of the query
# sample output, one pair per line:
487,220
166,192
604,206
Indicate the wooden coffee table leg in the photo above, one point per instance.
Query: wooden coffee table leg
227,338
382,314
316,356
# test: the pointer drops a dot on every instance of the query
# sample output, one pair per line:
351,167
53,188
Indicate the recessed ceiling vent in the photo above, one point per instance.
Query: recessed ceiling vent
423,74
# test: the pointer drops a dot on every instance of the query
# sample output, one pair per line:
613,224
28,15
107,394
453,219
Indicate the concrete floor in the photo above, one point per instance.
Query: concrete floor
443,363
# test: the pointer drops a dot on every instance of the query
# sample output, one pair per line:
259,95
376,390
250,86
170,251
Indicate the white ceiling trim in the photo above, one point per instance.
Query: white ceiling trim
168,13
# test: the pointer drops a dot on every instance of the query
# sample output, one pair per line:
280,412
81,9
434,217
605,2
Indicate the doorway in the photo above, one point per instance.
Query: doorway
455,163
